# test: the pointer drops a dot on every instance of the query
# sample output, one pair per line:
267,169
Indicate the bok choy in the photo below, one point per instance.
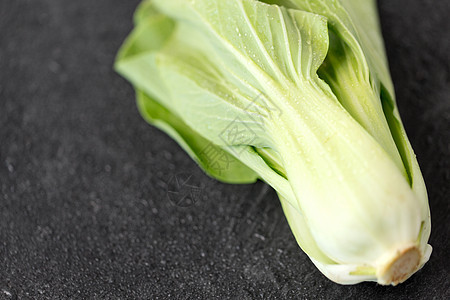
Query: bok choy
296,93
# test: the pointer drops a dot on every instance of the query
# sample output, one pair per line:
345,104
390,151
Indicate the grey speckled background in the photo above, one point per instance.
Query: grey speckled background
83,206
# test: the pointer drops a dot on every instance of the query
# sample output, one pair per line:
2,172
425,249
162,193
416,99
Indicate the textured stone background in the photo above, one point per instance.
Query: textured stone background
83,207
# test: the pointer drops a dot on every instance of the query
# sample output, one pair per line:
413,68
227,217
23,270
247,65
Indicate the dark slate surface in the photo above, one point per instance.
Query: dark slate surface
83,207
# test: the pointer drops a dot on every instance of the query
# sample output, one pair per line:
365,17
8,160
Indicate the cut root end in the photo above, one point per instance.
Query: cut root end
401,267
